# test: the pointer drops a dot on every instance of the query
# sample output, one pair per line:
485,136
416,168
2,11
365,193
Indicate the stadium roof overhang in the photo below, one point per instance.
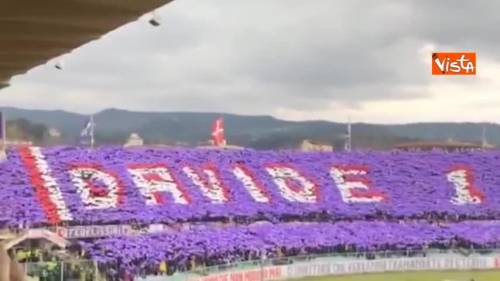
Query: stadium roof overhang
34,31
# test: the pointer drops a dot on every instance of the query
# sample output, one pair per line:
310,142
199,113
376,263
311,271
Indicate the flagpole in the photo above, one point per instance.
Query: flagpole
484,142
4,135
4,131
92,131
348,142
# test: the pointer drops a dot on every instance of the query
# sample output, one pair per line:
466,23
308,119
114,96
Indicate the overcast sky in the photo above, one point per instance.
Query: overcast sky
293,59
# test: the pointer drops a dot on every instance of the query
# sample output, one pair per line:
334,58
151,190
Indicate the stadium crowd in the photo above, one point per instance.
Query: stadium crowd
251,206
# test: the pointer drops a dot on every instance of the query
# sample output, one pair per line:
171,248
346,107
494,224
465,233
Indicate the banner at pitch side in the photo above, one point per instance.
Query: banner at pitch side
497,262
257,274
384,265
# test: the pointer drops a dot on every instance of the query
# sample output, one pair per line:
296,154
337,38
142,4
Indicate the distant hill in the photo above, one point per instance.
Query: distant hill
266,132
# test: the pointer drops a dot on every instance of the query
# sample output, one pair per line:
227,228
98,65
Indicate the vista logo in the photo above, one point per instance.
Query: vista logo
454,63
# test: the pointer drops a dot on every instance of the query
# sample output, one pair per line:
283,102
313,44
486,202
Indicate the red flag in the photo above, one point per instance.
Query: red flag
218,132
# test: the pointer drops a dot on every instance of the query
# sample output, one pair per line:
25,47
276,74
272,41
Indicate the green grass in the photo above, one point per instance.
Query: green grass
488,275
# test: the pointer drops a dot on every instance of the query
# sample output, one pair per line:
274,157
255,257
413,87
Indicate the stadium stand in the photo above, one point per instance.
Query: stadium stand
152,211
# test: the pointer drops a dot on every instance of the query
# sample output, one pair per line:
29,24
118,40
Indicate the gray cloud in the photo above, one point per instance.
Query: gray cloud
253,56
